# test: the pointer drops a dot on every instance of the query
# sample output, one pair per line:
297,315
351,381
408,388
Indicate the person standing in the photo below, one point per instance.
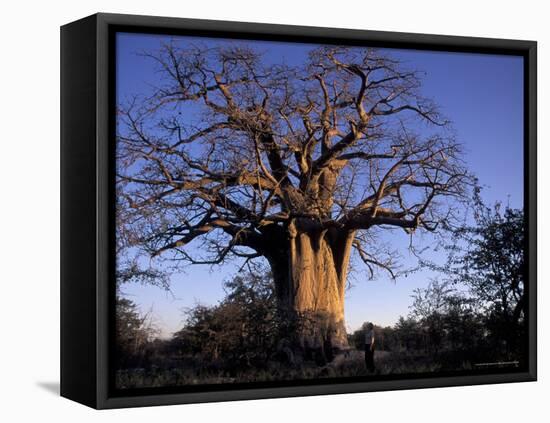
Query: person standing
369,347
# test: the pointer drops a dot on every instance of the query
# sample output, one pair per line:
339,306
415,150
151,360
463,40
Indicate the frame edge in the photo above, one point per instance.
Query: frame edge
450,43
78,168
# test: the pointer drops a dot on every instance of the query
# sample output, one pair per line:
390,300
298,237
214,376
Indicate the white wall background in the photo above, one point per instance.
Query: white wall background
29,209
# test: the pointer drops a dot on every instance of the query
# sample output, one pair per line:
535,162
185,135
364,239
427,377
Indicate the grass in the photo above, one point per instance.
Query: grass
350,364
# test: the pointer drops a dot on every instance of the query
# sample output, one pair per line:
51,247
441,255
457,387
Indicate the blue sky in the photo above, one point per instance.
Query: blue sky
482,94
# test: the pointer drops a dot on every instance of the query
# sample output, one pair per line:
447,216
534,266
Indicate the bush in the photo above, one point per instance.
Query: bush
245,330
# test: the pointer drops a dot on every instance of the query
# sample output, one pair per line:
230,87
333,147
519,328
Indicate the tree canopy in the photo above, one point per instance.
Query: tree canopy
232,150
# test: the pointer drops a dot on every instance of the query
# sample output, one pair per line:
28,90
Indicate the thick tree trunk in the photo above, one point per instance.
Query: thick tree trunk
310,279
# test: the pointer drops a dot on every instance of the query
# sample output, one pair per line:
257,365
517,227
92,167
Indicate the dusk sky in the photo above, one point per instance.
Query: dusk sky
483,96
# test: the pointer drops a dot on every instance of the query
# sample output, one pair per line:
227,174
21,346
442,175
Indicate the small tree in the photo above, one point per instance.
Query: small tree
244,329
489,259
409,334
430,306
450,319
134,331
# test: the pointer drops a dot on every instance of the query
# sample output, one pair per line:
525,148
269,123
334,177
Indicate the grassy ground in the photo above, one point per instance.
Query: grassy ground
344,365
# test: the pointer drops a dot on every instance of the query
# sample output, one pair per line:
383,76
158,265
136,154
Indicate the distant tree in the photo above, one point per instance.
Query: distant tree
134,331
386,339
489,259
465,328
300,165
449,319
409,333
242,330
431,300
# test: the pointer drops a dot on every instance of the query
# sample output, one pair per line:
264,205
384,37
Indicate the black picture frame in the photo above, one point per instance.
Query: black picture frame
87,192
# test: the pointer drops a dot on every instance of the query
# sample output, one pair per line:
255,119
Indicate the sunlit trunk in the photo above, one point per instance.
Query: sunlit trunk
310,283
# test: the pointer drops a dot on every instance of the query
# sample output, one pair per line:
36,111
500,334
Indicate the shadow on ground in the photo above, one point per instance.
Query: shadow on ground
51,387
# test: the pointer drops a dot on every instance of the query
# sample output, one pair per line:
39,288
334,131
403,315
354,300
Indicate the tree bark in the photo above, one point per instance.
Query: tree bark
310,281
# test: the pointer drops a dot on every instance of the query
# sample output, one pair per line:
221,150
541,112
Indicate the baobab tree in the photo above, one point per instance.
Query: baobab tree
299,164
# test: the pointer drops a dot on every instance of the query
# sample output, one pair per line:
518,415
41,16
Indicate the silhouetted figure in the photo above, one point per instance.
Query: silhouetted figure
369,347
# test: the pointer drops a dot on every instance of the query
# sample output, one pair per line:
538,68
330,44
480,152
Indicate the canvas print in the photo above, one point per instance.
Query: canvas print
290,212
